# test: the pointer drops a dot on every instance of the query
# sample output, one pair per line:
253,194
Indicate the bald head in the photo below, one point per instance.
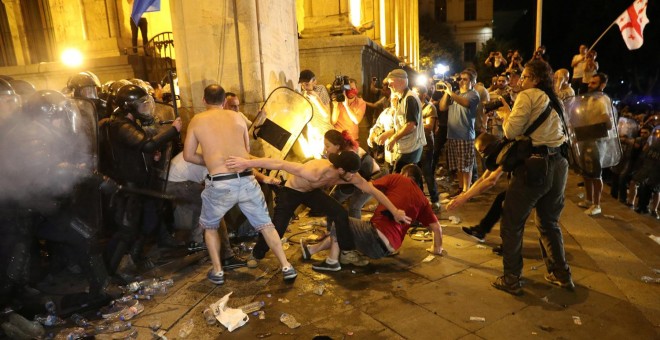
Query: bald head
562,73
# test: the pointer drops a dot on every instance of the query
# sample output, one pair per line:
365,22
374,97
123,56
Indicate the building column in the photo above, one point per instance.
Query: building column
15,19
250,47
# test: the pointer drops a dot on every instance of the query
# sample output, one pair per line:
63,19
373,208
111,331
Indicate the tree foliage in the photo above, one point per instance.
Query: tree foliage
437,44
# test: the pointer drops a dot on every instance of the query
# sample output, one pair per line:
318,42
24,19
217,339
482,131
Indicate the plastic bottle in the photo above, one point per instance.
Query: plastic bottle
131,312
131,287
289,320
31,328
186,329
51,308
49,320
79,320
648,279
252,307
74,333
124,299
209,316
117,326
158,290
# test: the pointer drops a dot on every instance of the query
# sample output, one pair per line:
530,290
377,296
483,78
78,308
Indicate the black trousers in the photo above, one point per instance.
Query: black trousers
142,25
493,215
286,203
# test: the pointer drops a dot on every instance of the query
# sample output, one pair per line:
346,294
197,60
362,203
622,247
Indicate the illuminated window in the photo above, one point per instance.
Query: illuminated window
470,10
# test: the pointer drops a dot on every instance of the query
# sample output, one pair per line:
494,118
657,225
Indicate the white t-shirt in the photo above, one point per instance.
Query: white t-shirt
578,70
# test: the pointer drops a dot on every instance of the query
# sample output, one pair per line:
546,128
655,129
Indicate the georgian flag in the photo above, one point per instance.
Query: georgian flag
632,22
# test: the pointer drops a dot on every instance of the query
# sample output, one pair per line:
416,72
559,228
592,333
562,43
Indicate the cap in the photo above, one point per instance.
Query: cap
306,76
347,160
397,74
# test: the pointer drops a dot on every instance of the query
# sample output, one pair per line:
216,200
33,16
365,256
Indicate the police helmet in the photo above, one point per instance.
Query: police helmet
23,88
136,101
6,89
51,105
84,85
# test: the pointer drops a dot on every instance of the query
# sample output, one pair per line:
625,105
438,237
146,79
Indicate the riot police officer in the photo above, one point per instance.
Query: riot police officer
130,150
86,85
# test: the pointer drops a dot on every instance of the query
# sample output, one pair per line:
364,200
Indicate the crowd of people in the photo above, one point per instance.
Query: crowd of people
127,143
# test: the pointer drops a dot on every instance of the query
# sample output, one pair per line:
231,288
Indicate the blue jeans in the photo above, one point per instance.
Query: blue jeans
407,158
220,196
428,169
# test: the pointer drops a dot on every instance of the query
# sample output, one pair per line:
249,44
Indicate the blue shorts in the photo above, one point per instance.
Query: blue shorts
220,196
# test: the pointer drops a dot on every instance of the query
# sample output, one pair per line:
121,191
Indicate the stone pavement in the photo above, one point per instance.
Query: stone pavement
449,297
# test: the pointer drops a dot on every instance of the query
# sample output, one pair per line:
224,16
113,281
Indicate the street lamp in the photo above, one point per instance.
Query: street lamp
441,69
72,57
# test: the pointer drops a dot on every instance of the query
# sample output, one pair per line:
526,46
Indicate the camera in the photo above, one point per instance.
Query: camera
451,81
340,85
496,103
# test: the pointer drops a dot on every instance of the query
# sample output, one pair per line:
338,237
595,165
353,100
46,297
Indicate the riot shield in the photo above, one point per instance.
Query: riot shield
286,113
164,115
592,131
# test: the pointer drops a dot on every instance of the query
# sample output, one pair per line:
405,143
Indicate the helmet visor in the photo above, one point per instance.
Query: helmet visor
145,109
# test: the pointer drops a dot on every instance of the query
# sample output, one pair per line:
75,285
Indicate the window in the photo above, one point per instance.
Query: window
7,57
39,30
469,51
470,10
441,10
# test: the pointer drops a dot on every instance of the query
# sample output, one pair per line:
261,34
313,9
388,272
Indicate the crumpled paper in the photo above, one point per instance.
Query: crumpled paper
231,318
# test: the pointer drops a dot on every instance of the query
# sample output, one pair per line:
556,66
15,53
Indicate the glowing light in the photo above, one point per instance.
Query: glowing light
422,80
355,15
441,69
72,57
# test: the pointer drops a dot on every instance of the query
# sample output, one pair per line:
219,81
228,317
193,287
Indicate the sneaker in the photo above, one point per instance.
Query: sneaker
306,255
326,267
216,278
436,207
289,273
585,204
352,257
233,262
196,246
566,282
509,284
498,249
593,210
476,233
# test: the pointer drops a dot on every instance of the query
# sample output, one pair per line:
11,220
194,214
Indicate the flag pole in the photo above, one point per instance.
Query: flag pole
601,36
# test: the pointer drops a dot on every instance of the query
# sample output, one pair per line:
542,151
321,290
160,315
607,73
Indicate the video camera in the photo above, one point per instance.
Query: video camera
496,103
340,85
451,81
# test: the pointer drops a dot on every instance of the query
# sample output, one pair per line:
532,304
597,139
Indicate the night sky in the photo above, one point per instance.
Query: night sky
567,24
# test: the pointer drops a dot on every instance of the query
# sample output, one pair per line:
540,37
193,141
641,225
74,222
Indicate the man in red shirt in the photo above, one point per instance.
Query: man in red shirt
382,235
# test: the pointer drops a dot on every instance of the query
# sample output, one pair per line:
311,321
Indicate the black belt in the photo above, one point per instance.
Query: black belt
215,178
546,150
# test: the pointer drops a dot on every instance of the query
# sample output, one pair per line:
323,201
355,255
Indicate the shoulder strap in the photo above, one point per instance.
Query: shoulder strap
539,121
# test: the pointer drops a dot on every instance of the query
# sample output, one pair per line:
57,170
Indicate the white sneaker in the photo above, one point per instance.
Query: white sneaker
593,210
585,204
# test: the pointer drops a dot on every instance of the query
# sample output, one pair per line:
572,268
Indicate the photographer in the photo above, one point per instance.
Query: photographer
496,62
347,108
502,91
516,62
538,183
539,54
460,126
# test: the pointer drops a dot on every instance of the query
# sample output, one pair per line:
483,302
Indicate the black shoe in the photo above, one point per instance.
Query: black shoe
326,267
475,232
561,281
642,211
233,262
498,249
509,284
166,240
306,254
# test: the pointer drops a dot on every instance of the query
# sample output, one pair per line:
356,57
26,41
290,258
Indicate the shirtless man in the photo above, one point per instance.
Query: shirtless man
304,186
223,133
